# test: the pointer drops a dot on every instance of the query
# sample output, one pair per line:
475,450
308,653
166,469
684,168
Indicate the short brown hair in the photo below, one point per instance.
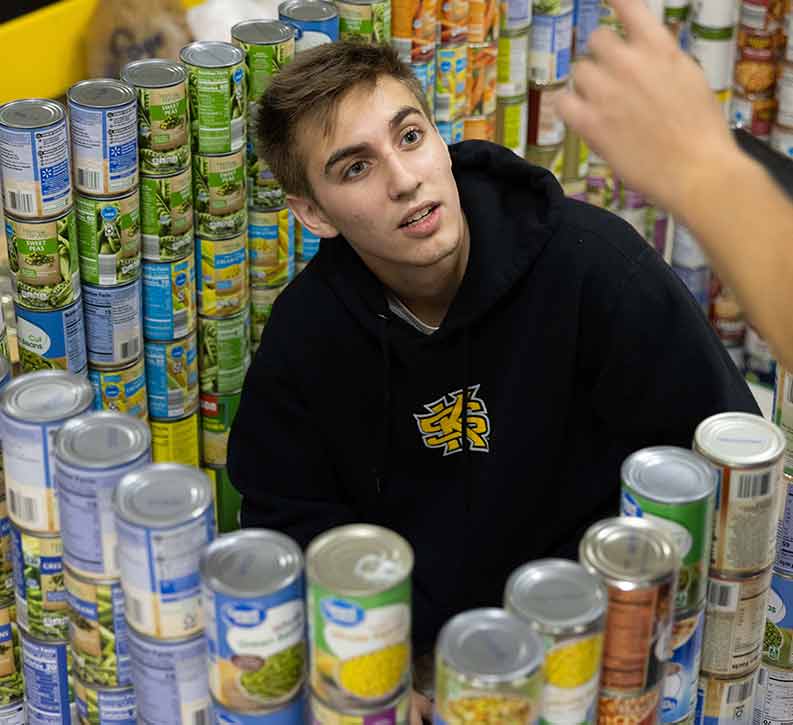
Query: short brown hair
310,88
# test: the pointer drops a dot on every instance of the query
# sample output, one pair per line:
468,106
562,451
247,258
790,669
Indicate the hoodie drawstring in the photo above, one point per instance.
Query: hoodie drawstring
385,433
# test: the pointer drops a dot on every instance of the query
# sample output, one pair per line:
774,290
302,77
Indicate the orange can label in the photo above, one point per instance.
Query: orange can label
454,21
482,78
483,21
413,28
482,128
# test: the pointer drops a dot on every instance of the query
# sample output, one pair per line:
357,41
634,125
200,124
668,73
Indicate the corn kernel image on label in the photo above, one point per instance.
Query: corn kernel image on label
572,670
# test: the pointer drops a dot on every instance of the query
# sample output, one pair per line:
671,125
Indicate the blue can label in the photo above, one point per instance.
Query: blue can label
51,340
451,131
293,714
308,244
172,377
113,323
682,673
697,281
46,669
169,299
103,707
551,48
587,20
311,33
122,391
778,636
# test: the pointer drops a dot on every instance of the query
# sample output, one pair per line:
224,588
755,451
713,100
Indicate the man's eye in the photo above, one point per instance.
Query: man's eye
412,136
355,169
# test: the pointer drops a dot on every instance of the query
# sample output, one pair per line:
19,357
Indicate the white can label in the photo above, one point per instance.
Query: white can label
551,45
773,700
114,332
784,95
716,59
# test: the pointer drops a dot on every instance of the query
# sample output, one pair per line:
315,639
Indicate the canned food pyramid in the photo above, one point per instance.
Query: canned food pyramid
359,613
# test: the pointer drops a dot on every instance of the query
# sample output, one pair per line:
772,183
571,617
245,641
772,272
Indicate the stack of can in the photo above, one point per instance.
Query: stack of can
33,408
512,76
413,36
482,71
451,77
41,227
746,452
712,44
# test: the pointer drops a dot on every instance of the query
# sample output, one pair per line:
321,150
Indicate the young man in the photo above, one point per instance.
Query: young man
456,289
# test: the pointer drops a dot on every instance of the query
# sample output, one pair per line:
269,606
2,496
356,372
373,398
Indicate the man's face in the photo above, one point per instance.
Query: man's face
383,179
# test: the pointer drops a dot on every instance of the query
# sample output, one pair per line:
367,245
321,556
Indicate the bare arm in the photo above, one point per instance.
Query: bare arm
646,108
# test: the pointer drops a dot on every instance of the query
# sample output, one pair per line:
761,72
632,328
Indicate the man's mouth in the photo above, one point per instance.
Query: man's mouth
416,217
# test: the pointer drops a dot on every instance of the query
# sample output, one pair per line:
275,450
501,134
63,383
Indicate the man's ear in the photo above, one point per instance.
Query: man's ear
311,216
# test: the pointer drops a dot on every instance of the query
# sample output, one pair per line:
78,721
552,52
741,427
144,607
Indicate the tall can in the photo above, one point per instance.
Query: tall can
271,247
482,78
35,163
262,301
551,46
52,340
682,674
48,685
365,21
103,115
121,391
413,28
166,210
169,299
223,352
566,606
316,22
264,190
219,194
725,701
217,416
268,46
222,275
113,329
172,376
675,489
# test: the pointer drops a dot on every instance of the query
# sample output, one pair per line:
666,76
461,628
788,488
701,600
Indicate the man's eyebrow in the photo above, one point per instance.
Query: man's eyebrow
343,153
401,115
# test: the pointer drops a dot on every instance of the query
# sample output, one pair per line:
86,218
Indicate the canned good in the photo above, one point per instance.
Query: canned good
488,667
170,679
714,14
222,275
268,46
217,94
482,128
725,702
34,158
121,391
262,301
640,709
425,70
451,131
551,47
697,281
163,518
223,353
48,687
755,70
747,454
92,454
367,21
227,499
549,157
113,330
306,243
103,706
783,417
176,440
773,698
6,558
638,564
161,87
778,637
481,80
413,24
172,376
169,299
566,606
512,121
760,364
220,196
675,488
515,15
217,415
512,71
167,213
32,409
42,257
682,674
264,190
713,49
450,82
453,21
97,630
103,116
483,21
770,41
52,340
784,94
754,112
364,570
546,127
762,14
782,140
15,713
291,714
253,593
11,685
315,22
271,247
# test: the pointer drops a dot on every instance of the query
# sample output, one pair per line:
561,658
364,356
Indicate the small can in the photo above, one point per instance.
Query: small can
167,216
413,28
425,70
746,451
92,454
103,116
169,299
755,70
783,417
48,685
396,710
306,243
782,140
217,415
32,409
759,365
640,709
512,121
713,49
753,112
483,21
35,166
546,127
773,697
113,330
15,712
784,94
365,21
6,555
315,22
697,281
551,48
222,275
172,376
294,713
227,499
638,564
359,570
219,184
10,657
253,593
271,247
714,14
450,82
482,78
566,606
778,637
52,340
268,46
121,391
176,440
512,68
224,352
217,94
762,14
264,190
735,611
97,630
498,682
38,584
682,673
164,517
725,702
170,679
161,87
451,131
481,128
515,15
262,301
42,257
675,489
453,21
103,705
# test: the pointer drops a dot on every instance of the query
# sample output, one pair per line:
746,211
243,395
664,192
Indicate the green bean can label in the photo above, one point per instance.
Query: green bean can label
360,645
6,555
97,631
162,128
690,527
217,415
265,193
219,185
223,352
262,301
167,216
365,23
264,61
218,105
11,685
43,260
101,705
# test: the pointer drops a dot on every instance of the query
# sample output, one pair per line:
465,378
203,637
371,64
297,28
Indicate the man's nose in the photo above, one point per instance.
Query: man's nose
402,180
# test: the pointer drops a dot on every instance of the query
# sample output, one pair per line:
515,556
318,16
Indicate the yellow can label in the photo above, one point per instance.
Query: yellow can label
175,441
271,247
122,391
222,275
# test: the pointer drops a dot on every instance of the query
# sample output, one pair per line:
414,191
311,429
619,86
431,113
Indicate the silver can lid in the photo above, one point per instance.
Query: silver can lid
629,553
162,494
102,440
308,10
211,54
739,439
46,396
556,596
490,646
102,93
359,559
251,563
262,32
668,474
153,73
31,113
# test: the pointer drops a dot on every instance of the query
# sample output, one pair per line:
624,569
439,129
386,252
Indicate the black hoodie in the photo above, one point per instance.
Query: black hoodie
575,341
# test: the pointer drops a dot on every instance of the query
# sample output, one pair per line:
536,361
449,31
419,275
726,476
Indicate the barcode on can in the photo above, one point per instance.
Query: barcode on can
23,508
722,595
753,485
739,692
107,269
130,348
201,717
175,400
133,608
21,201
180,321
89,179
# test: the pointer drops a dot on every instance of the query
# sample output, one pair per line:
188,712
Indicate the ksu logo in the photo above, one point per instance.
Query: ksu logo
442,426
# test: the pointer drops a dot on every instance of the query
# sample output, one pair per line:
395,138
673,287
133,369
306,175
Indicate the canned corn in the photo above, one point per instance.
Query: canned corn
166,207
222,275
271,247
172,376
176,440
121,391
103,705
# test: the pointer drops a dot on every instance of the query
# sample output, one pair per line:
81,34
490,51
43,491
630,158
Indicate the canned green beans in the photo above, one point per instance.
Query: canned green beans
222,275
268,46
675,489
172,376
365,21
224,352
121,391
169,299
11,687
218,96
6,555
42,257
262,300
108,233
167,213
264,191
161,86
217,415
113,330
103,706
52,340
48,684
219,191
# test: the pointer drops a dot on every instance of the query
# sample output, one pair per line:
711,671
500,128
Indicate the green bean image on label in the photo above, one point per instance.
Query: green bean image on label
167,212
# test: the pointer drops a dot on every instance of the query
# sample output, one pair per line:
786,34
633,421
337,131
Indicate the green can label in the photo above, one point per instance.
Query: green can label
265,193
262,301
219,183
108,232
227,499
162,128
43,258
264,61
218,105
370,23
223,352
217,415
167,211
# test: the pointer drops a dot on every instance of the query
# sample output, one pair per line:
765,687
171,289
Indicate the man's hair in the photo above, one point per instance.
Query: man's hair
310,89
